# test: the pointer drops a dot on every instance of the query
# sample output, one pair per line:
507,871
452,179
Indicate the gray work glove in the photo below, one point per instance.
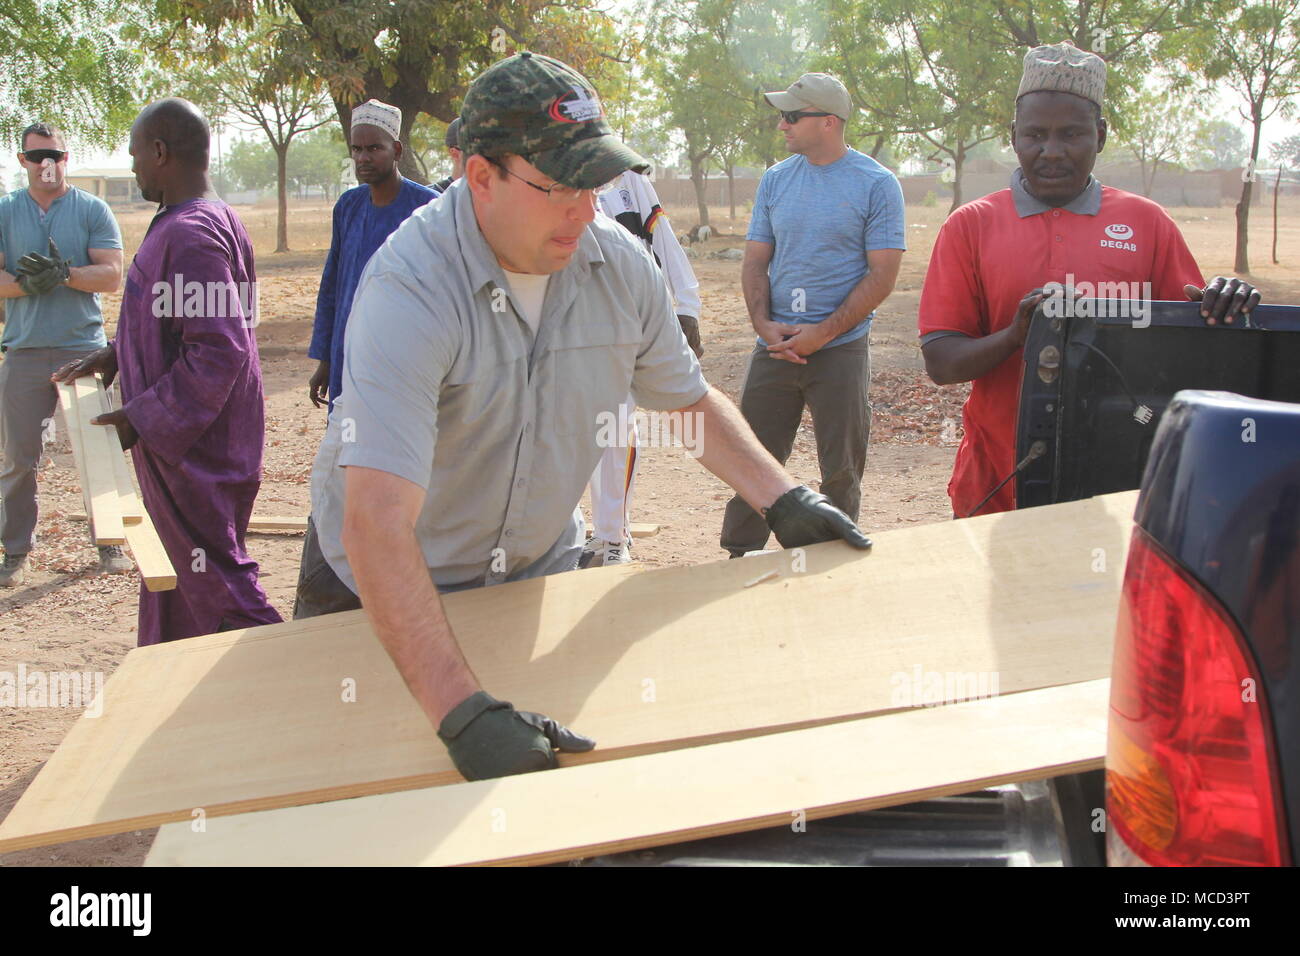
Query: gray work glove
801,517
38,274
488,738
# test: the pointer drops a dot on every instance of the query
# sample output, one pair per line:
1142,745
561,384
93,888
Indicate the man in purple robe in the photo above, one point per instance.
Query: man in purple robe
192,409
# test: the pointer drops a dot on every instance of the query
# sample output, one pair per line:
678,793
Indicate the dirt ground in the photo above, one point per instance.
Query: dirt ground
68,619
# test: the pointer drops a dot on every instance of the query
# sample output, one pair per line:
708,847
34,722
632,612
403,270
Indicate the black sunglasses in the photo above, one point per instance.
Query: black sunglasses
794,116
41,155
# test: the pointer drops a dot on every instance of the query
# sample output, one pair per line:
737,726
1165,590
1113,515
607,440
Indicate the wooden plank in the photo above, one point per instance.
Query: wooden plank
70,420
255,524
277,523
314,710
669,797
639,529
96,464
128,498
150,556
258,523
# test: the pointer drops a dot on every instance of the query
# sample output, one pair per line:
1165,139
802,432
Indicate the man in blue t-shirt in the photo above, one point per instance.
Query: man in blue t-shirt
59,248
363,218
824,244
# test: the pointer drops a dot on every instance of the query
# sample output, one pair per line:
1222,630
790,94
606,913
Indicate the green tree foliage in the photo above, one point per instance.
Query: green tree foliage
712,61
1163,137
925,70
250,164
943,75
418,55
1127,34
317,160
691,68
1254,50
1286,152
68,62
250,81
1220,144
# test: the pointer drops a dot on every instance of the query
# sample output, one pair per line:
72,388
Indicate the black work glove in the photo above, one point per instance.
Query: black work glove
38,284
801,516
691,329
38,274
488,738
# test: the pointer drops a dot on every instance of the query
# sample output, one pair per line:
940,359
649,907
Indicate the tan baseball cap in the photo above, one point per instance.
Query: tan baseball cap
814,91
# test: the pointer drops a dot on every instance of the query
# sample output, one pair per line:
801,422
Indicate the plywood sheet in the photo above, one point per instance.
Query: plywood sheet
314,710
663,798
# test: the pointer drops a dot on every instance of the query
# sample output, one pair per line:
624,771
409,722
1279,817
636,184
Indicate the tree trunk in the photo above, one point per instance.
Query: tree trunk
1277,188
731,188
282,197
958,160
1242,263
697,179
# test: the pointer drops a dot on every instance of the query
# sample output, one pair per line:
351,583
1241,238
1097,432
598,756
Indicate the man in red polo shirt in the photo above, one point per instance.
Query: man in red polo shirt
1056,224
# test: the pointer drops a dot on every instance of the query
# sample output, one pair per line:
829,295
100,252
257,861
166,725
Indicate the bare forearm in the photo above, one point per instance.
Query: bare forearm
95,278
9,287
958,358
758,292
865,297
406,612
729,449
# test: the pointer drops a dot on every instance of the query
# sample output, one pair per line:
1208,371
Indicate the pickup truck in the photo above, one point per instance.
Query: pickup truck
1204,701
1196,773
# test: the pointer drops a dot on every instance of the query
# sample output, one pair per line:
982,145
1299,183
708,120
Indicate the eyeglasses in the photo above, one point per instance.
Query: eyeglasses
41,155
556,192
795,116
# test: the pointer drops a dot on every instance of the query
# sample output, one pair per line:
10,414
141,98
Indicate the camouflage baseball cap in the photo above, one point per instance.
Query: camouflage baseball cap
547,112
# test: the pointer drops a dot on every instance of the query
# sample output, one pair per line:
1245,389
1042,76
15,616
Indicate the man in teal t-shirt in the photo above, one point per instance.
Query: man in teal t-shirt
59,248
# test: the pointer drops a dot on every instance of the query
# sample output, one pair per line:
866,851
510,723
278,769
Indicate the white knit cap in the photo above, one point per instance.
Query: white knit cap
374,113
1064,68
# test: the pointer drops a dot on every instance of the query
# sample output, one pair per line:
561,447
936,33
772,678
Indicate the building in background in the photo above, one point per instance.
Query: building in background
116,187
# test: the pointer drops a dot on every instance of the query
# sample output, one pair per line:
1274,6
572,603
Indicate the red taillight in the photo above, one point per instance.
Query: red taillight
1190,770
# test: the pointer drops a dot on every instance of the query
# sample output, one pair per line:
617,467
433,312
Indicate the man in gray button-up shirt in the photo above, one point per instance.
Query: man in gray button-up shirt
488,337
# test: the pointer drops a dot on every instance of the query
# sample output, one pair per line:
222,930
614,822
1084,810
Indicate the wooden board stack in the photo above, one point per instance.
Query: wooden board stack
116,514
769,781
647,663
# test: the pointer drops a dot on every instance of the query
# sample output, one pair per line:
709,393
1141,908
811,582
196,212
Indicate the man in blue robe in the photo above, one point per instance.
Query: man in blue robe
363,218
